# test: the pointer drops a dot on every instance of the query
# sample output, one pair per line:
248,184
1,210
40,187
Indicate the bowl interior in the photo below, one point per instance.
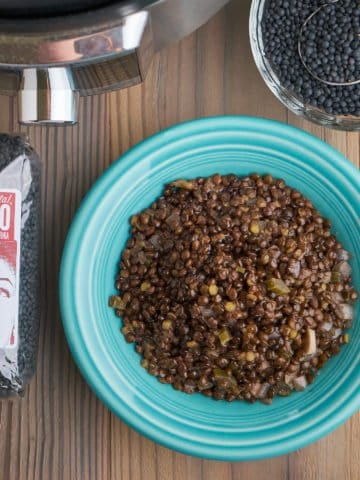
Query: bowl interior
196,424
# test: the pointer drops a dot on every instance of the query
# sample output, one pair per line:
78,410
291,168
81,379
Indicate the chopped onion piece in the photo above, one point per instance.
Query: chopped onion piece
310,342
326,326
345,311
155,240
336,297
343,254
263,390
344,269
300,383
207,312
289,378
294,268
264,365
255,389
337,333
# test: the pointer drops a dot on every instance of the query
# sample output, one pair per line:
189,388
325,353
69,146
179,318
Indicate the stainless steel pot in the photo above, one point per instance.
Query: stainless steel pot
50,55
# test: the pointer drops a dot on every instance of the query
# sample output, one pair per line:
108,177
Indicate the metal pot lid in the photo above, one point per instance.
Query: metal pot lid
52,8
70,38
20,8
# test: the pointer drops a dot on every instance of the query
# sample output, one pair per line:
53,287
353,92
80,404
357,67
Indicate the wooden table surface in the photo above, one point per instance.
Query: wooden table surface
60,430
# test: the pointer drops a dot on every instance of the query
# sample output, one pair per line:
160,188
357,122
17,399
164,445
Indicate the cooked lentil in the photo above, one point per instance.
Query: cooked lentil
227,287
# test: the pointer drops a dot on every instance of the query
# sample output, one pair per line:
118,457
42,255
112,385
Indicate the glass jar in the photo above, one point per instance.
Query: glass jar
289,98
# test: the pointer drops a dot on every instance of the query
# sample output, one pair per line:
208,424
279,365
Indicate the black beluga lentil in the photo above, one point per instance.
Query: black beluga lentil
20,170
330,49
234,287
330,42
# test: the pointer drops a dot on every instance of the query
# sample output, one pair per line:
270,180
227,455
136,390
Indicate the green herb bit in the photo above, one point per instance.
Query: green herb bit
224,336
240,269
277,286
117,302
219,373
145,286
336,277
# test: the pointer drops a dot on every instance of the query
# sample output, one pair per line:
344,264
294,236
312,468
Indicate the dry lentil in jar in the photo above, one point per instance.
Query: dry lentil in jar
234,287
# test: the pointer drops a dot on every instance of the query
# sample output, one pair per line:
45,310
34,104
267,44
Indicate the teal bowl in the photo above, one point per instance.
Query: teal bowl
194,424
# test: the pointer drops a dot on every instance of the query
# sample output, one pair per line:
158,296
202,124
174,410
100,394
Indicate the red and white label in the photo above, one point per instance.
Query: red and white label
10,232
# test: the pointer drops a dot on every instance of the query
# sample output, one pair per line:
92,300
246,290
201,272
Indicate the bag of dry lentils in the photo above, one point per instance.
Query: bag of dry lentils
19,263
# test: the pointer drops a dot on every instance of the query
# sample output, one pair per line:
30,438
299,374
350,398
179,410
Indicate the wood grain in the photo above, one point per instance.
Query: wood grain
60,430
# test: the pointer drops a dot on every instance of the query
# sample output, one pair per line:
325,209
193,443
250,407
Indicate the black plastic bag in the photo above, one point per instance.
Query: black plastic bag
19,263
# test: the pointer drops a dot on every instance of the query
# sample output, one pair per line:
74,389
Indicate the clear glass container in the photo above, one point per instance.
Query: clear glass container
290,99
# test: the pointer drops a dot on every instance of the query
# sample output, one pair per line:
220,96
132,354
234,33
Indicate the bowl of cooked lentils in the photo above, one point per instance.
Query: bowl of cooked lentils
209,288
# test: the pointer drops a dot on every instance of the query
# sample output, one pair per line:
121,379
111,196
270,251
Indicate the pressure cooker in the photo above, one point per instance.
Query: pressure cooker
53,51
